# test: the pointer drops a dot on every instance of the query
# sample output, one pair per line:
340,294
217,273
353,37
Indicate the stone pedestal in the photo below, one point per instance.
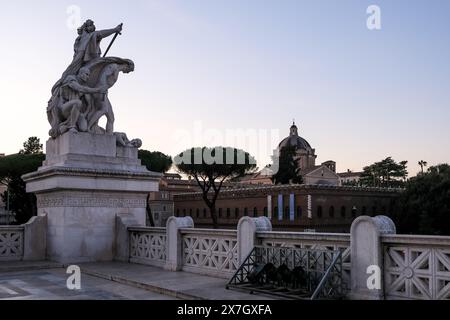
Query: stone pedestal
246,234
367,256
84,183
174,253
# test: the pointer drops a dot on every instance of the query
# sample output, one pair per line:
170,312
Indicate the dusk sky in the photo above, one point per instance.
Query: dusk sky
208,71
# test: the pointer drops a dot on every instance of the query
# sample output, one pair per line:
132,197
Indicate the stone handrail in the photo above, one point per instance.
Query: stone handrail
11,243
416,267
282,238
199,231
424,240
147,229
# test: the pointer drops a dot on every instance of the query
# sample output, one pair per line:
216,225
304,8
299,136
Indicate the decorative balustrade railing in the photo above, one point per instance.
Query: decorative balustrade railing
11,243
416,267
210,251
311,240
148,245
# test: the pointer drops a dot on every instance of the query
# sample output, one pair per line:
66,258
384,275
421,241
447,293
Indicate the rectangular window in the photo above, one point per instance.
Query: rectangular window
280,207
291,207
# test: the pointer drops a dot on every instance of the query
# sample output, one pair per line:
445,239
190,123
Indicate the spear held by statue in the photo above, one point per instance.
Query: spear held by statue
112,41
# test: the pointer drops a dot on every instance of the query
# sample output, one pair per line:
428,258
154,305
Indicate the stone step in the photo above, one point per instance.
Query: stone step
14,266
180,285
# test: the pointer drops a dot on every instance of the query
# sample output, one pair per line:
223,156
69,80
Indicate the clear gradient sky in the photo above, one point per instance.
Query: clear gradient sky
357,95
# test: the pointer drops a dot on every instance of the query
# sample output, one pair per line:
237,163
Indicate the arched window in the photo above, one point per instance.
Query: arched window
184,212
236,213
198,213
178,212
275,212
331,212
265,212
354,211
286,213
319,212
228,213
220,212
190,212
204,213
255,212
245,212
343,213
299,212
374,210
383,210
364,210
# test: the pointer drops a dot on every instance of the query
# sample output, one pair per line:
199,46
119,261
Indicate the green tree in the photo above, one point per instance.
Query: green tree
32,146
155,161
12,167
424,206
385,173
211,167
288,167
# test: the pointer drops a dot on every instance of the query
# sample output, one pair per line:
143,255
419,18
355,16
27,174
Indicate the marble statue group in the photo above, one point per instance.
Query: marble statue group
80,97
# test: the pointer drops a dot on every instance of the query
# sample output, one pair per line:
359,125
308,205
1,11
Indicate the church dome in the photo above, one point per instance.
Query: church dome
295,140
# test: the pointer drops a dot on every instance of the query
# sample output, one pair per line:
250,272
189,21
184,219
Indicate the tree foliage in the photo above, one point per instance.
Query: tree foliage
32,146
288,167
425,203
155,161
385,173
12,167
211,167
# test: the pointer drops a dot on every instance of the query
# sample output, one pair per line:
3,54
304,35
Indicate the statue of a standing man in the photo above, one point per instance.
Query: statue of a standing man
86,48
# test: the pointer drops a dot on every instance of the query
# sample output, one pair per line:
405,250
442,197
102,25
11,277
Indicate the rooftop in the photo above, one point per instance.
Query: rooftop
284,187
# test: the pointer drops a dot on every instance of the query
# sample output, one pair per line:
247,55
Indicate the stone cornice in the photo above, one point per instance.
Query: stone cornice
268,189
84,172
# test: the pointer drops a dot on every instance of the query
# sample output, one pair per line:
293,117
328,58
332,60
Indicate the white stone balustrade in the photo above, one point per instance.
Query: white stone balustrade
148,246
211,252
411,266
11,243
24,242
416,267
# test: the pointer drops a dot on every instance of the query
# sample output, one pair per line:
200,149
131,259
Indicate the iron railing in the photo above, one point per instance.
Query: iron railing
323,272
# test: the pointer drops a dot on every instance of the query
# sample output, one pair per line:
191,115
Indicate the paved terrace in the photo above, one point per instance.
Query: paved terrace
110,281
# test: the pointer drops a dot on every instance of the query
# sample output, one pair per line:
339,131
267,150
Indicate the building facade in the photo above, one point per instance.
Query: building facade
350,178
319,208
305,157
161,202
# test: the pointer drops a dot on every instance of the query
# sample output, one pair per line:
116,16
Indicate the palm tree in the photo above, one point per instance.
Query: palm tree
422,164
